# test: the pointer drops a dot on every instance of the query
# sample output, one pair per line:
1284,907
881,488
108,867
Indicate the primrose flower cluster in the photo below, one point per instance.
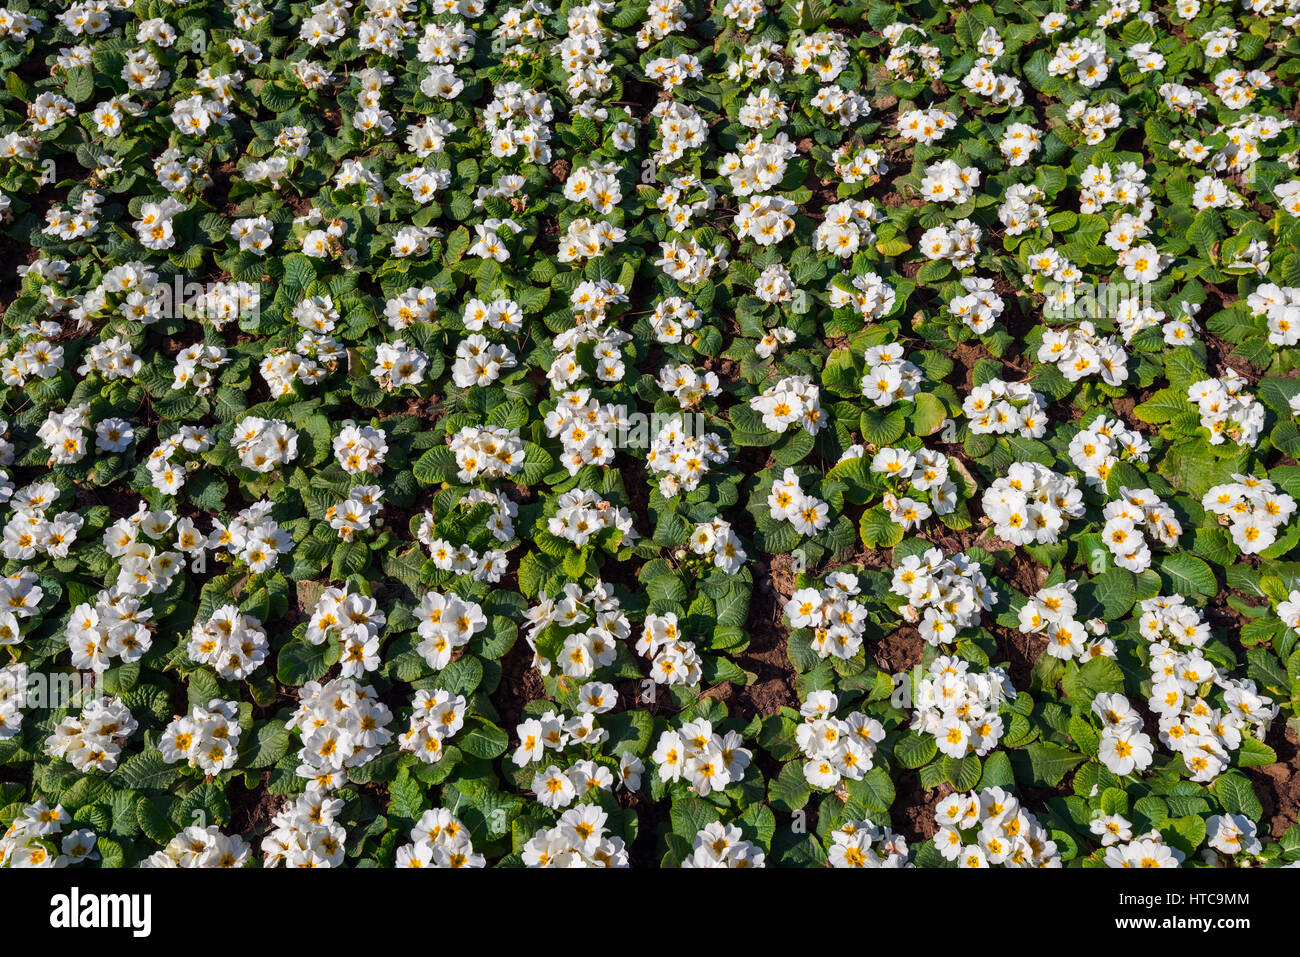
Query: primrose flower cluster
959,707
989,828
835,748
1032,504
1053,612
837,620
691,435
944,594
1206,733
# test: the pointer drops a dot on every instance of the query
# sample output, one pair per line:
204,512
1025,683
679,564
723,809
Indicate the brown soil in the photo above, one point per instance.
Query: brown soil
899,651
1023,573
219,192
914,806
1278,785
1124,407
1219,358
252,811
520,684
782,575
1020,651
766,655
301,205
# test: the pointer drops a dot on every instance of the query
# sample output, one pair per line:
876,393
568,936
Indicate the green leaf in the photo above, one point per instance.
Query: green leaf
300,662
1097,676
462,676
482,738
1255,752
789,790
80,85
689,815
1116,591
406,797
1187,833
1185,574
875,791
145,771
914,750
882,426
206,804
998,772
272,744
962,773
1050,763
878,530
1236,795
928,416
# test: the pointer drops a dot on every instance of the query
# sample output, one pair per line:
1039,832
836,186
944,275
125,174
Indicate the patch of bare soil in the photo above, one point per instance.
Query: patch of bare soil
252,811
914,806
766,656
1219,358
218,193
301,205
899,651
520,684
1278,785
11,252
782,575
1124,407
1023,573
1019,651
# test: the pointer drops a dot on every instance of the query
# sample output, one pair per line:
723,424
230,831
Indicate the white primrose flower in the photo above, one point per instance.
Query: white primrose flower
723,846
304,833
990,828
944,594
342,725
1031,504
233,643
1053,612
591,624
356,621
1002,408
206,738
439,840
264,444
792,401
201,847
681,460
1227,409
701,757
446,622
673,660
838,622
864,844
717,540
581,838
835,749
435,719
